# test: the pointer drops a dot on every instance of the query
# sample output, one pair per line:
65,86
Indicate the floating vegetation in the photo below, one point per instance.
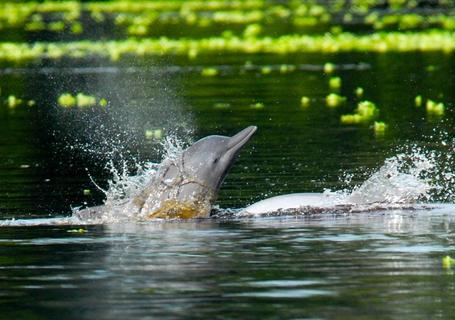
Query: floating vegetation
142,29
154,134
67,100
435,108
447,262
83,100
351,118
252,30
257,106
77,230
77,28
266,70
13,101
249,18
335,83
221,105
365,112
379,127
418,101
344,42
359,92
329,67
285,68
209,72
305,102
431,68
103,102
334,100
87,192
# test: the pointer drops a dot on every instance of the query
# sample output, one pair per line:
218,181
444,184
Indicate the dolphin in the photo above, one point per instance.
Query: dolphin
185,186
385,189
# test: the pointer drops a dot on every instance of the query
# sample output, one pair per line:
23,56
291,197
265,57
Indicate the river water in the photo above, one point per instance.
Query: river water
374,265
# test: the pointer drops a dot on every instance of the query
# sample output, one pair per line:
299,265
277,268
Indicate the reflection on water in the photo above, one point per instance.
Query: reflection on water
384,264
374,265
47,151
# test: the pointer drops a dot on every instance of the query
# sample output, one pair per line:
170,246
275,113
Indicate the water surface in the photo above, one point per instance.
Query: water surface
385,265
378,265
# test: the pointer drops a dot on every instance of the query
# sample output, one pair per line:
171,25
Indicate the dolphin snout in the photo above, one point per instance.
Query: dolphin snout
238,141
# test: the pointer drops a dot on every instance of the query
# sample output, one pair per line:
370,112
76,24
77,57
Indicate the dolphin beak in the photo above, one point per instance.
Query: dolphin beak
234,145
240,139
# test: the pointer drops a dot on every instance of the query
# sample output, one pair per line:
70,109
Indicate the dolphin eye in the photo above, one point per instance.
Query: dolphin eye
216,160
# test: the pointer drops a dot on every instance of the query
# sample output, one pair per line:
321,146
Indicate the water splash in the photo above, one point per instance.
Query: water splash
126,184
416,175
400,180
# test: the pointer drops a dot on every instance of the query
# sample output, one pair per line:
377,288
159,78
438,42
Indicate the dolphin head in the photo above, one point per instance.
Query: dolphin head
208,160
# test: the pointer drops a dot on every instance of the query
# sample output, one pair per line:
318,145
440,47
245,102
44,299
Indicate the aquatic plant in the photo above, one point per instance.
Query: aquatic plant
334,100
359,92
435,108
154,134
286,68
257,106
209,72
83,100
77,230
305,102
365,112
221,105
142,18
335,82
345,42
351,118
329,67
447,262
252,30
13,101
418,101
103,102
66,100
77,28
266,70
379,127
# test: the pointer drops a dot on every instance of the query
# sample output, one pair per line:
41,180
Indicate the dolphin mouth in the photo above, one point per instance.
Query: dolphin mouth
240,139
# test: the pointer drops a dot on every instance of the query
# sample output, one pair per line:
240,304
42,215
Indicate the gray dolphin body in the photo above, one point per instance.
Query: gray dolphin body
185,186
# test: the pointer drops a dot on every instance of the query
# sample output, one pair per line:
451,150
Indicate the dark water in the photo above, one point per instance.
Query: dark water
364,266
384,265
